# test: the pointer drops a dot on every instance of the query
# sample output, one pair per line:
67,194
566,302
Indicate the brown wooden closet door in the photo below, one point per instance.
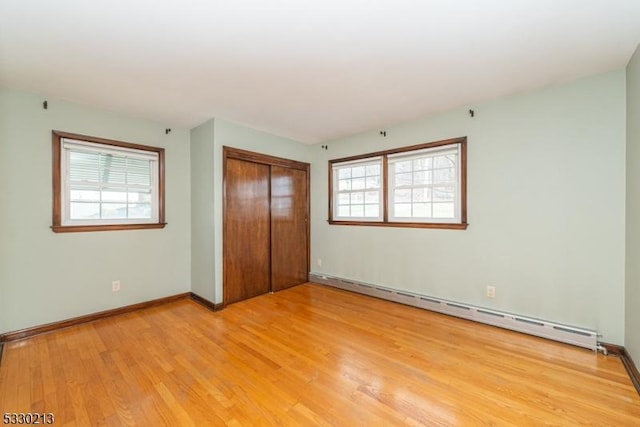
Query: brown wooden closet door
246,235
289,236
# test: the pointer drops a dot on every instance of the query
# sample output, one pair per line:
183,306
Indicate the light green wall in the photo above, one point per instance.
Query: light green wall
546,211
47,277
207,141
632,300
545,205
202,211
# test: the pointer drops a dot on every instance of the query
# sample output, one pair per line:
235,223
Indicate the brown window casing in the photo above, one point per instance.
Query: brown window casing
57,226
462,225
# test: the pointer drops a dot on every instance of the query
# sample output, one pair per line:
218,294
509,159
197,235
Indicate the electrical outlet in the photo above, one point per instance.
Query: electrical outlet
319,262
115,286
491,291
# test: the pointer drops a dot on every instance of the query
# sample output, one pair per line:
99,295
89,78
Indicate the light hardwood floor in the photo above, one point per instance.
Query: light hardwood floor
309,355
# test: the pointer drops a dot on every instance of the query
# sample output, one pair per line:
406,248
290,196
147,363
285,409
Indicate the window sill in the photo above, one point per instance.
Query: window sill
111,227
447,226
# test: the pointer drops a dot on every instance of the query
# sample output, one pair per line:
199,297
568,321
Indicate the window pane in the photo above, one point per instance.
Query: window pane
114,196
140,211
373,182
403,166
422,210
84,210
343,210
421,195
403,179
344,184
344,173
139,196
444,175
443,210
444,161
371,210
373,170
372,197
343,198
422,164
422,177
402,209
357,198
114,210
400,196
357,184
357,171
357,210
80,194
444,194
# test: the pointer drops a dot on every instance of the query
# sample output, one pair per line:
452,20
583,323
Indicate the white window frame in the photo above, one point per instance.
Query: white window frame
72,145
428,153
336,168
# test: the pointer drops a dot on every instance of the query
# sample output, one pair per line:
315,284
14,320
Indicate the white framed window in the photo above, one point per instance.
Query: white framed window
106,185
357,190
421,186
425,185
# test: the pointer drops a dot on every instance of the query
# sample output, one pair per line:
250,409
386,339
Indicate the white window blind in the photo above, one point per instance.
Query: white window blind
357,190
425,185
105,184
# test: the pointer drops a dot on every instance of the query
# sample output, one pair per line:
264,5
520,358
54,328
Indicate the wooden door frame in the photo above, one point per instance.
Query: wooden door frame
251,156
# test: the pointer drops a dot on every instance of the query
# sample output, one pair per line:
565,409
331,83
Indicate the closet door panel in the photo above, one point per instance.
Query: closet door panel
289,237
247,268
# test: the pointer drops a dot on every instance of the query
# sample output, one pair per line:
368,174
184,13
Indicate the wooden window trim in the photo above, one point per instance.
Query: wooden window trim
462,225
57,226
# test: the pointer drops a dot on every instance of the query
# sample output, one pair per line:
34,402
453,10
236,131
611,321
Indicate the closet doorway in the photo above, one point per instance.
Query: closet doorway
265,224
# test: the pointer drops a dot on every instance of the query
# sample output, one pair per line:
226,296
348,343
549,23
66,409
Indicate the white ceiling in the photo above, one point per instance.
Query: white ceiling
310,70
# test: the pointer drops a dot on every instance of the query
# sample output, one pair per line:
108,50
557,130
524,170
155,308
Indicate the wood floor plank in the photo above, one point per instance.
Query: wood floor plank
309,355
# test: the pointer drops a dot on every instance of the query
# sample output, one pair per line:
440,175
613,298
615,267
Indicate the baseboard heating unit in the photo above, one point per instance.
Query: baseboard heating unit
554,331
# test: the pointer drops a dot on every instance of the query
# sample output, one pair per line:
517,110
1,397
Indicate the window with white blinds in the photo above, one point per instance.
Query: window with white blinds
103,184
357,190
106,185
417,186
